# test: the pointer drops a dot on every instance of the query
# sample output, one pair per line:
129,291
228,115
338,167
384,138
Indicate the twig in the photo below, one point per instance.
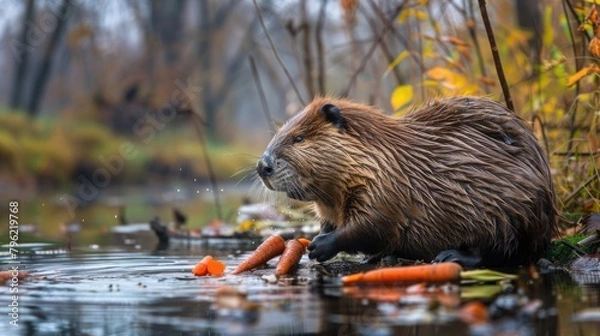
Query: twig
473,35
388,23
279,60
578,64
577,154
583,185
369,53
386,51
539,120
572,246
196,120
261,94
320,49
497,61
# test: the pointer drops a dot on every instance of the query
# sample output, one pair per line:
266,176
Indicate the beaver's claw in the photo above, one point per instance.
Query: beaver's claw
323,247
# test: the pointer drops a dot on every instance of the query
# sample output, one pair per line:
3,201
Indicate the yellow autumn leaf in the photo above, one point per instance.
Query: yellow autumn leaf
581,74
412,12
401,96
454,81
438,73
396,61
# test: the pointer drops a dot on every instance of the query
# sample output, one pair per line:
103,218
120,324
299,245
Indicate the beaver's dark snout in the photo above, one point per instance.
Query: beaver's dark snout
265,166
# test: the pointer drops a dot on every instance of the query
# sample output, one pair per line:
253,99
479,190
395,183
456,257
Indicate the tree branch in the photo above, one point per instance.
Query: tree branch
497,61
261,94
369,53
279,60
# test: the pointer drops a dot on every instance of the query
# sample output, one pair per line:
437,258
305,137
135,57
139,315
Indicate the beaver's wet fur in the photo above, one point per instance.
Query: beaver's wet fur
461,179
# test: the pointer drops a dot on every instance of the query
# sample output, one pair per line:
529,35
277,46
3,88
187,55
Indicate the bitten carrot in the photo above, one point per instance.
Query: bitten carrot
442,272
270,248
291,256
209,266
304,241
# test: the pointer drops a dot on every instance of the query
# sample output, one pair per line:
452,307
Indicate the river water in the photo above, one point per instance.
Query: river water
96,282
114,290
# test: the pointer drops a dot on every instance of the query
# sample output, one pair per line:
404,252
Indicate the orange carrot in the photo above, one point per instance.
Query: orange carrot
201,268
270,248
442,272
304,241
291,256
209,266
474,313
216,267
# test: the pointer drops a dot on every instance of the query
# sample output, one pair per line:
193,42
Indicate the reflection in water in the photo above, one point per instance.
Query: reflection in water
108,291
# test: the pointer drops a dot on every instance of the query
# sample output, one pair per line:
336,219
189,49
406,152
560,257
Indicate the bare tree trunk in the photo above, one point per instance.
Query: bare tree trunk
320,50
167,24
529,17
204,53
22,57
41,78
307,51
213,97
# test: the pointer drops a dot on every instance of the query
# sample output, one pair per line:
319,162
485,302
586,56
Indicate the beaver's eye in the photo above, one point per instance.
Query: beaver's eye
298,138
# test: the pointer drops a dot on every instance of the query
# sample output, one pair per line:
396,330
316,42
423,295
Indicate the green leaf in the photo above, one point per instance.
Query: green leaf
486,275
481,292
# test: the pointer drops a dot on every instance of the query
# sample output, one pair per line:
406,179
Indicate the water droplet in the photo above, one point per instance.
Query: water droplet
178,190
207,189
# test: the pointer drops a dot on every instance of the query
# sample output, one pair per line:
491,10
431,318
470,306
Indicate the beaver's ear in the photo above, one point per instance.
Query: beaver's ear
333,114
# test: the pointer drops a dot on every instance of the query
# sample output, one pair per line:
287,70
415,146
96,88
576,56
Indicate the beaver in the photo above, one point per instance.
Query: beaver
461,179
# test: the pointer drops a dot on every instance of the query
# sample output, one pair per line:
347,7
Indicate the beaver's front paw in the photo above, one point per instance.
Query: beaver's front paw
465,258
323,247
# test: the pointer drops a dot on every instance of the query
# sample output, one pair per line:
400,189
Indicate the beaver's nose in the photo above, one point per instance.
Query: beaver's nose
264,167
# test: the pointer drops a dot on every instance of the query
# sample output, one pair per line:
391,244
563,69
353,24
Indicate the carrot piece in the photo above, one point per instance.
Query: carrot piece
216,267
270,248
442,272
474,313
291,256
201,267
209,266
304,241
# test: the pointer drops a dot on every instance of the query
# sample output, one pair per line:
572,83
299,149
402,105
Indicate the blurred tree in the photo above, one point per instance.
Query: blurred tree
23,48
166,24
218,71
529,18
41,77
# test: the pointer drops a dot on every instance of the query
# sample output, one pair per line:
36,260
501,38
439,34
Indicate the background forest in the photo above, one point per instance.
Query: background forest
145,91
